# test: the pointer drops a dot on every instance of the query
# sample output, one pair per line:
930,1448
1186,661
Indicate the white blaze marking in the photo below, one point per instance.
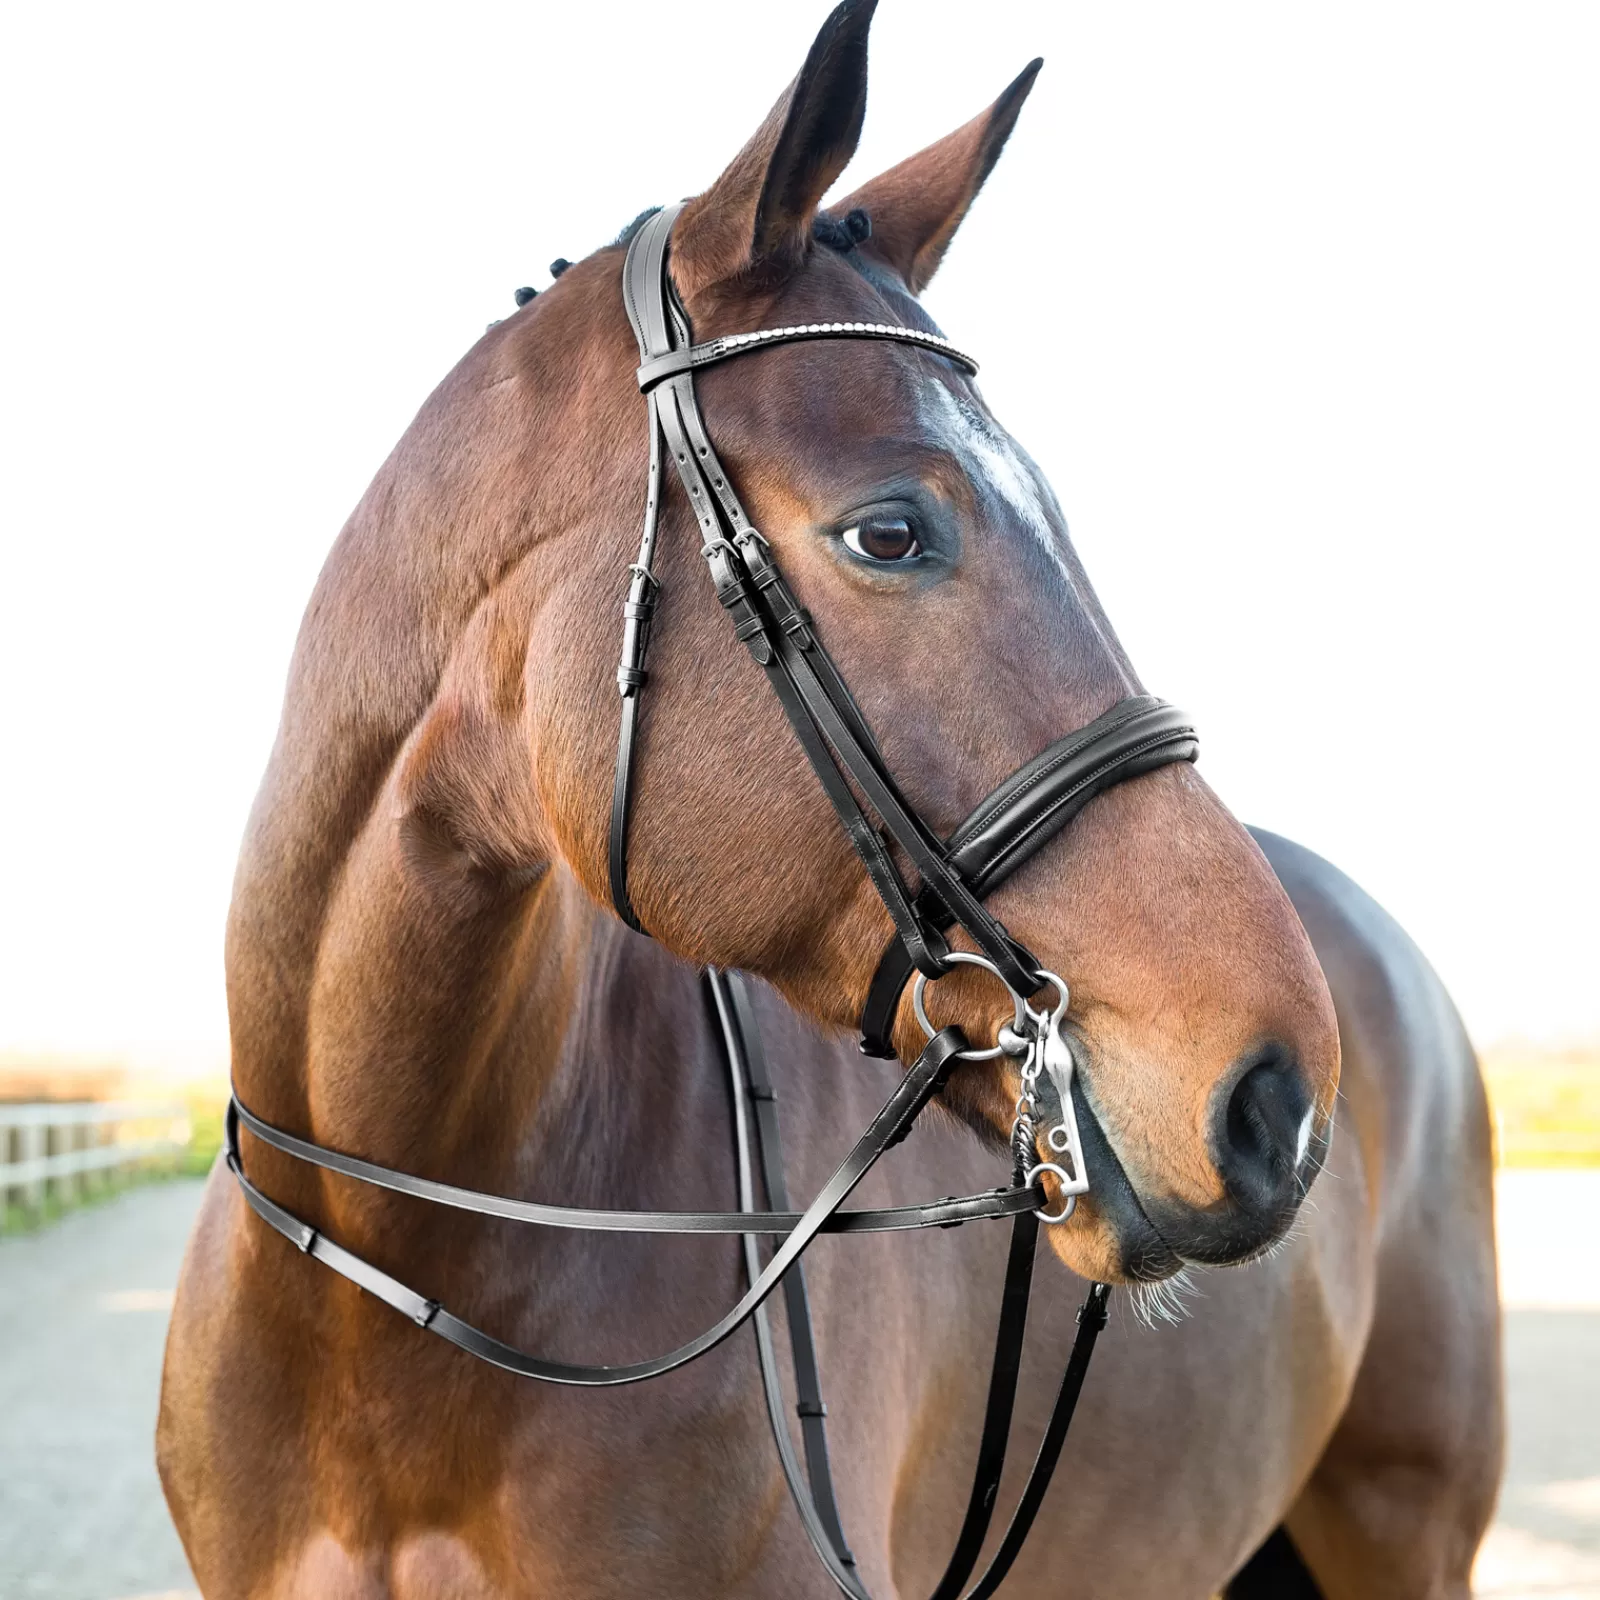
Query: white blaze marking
993,455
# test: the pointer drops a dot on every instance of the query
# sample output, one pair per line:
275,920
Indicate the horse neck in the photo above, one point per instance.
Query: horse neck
570,1061
403,946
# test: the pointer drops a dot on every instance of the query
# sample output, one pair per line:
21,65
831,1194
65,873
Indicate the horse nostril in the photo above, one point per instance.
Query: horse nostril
1264,1133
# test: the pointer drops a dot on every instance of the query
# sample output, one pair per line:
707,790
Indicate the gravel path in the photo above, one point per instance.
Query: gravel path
83,1310
1546,1543
83,1314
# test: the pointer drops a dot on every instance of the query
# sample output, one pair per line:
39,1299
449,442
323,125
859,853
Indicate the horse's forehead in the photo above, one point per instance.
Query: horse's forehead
992,458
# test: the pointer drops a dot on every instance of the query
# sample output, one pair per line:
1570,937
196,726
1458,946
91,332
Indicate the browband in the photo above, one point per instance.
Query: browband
737,344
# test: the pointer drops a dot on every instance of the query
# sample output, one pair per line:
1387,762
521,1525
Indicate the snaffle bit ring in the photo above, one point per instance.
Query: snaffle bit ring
1063,999
963,958
1066,1178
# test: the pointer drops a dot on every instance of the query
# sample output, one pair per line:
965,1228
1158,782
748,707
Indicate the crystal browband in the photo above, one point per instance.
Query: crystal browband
733,344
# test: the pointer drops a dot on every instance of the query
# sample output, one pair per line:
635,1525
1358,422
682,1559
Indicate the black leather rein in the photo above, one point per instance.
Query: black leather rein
754,1102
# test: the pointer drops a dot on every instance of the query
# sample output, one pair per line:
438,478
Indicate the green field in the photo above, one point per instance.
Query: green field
1546,1107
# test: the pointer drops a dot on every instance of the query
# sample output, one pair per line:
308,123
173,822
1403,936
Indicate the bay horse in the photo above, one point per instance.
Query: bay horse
423,967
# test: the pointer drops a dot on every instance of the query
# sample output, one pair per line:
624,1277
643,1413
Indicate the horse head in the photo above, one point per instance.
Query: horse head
936,564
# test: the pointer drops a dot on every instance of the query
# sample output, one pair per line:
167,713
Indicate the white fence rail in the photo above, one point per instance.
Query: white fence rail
64,1149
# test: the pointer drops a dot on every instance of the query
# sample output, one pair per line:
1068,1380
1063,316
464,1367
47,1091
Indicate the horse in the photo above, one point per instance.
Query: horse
423,966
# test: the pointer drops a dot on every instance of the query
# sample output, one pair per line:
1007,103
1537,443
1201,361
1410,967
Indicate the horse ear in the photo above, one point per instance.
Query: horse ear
756,218
917,206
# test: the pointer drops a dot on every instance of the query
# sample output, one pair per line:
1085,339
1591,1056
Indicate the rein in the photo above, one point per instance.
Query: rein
1030,807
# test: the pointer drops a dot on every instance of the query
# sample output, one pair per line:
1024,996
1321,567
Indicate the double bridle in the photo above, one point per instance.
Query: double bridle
1135,736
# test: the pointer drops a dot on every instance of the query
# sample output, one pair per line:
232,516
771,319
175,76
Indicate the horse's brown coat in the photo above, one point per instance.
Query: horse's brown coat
419,970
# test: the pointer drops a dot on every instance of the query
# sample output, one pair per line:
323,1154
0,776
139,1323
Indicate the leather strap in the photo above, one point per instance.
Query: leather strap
891,1124
1135,736
637,611
674,421
754,1103
949,1213
816,1503
1092,1317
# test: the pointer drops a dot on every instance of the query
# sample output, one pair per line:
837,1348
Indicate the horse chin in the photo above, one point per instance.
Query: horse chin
1117,1235
1231,1236
1110,1237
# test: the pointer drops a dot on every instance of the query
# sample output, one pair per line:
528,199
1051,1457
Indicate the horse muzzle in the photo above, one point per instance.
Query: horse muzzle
1267,1141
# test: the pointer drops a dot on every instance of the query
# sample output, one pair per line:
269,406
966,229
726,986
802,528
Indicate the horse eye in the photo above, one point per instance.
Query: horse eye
883,539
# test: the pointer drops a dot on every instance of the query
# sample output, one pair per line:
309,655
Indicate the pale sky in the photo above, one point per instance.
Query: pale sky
1296,306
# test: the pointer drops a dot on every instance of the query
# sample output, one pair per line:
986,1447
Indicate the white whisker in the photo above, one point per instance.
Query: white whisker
1167,1301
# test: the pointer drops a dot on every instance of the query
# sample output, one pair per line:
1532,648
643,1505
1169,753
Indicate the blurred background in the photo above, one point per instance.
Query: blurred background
1295,306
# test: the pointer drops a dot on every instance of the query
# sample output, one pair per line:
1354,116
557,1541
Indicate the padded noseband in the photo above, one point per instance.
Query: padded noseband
1030,808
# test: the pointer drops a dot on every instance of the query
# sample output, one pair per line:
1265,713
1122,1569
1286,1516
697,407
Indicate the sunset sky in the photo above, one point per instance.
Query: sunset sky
1295,306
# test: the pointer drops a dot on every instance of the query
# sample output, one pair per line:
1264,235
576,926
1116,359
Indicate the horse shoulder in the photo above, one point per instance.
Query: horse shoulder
1410,1089
1407,1483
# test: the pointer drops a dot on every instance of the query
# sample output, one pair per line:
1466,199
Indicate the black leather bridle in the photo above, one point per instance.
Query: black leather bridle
1029,808
1133,737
